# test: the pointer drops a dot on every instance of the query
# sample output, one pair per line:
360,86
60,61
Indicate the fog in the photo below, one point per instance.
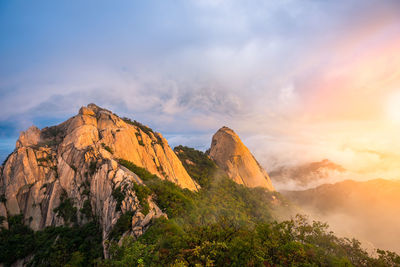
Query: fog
368,211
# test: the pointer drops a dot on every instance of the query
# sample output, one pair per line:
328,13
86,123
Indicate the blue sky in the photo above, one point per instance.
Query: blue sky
188,67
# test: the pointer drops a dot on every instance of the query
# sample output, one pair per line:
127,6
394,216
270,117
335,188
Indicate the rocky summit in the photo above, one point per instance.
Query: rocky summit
230,154
77,164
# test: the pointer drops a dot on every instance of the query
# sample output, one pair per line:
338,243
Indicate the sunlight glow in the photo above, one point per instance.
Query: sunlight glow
393,108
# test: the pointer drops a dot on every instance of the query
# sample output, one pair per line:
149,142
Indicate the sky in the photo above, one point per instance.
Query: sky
298,80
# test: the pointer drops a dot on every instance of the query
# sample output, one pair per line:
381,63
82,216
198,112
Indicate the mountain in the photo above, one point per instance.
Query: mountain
368,210
100,190
231,155
305,175
77,163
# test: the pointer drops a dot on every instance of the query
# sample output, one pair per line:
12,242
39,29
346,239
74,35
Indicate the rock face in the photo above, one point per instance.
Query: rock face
230,154
78,161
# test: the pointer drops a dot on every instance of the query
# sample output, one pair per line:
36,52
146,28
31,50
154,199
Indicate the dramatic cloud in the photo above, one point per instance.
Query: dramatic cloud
299,81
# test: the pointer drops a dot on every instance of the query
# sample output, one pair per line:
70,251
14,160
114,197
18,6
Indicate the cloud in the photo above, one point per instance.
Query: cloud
281,73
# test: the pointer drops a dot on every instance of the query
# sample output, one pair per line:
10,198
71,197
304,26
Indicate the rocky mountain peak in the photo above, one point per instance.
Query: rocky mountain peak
79,162
230,154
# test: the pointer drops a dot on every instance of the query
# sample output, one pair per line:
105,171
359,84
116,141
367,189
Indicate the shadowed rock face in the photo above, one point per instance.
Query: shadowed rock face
230,154
79,158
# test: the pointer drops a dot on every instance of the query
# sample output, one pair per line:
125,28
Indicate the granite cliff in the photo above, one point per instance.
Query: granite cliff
231,155
75,165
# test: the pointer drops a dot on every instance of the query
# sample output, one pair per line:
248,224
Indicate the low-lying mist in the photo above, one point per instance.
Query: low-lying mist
368,211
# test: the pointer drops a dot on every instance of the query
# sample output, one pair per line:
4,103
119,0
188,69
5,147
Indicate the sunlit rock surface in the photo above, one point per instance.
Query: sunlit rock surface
230,154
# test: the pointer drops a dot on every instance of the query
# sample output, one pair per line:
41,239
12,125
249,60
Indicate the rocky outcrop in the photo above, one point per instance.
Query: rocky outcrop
230,154
77,162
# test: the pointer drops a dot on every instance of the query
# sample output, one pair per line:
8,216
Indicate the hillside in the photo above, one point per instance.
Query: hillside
100,190
367,210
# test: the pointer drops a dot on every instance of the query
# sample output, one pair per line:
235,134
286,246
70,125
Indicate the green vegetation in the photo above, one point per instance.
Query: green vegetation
123,224
142,127
226,243
92,167
109,149
139,138
148,131
53,246
119,196
142,193
223,224
168,196
74,168
87,209
200,167
3,198
16,242
66,209
45,159
226,224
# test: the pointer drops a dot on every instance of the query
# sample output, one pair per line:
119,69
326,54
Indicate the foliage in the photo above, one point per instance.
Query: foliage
92,167
168,196
199,166
53,246
57,246
226,224
142,193
119,196
122,225
294,242
3,198
45,159
66,209
147,130
87,209
141,172
109,149
17,241
223,224
74,168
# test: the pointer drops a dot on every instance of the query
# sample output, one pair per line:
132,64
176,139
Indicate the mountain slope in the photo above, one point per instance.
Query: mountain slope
231,155
70,173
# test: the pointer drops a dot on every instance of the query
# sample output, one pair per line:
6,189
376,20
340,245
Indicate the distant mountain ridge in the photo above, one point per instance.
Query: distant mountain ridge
305,175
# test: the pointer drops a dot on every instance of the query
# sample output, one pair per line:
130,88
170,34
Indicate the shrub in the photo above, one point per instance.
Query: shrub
119,196
87,209
123,224
148,131
17,241
92,167
142,193
66,209
74,168
198,165
109,149
3,198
